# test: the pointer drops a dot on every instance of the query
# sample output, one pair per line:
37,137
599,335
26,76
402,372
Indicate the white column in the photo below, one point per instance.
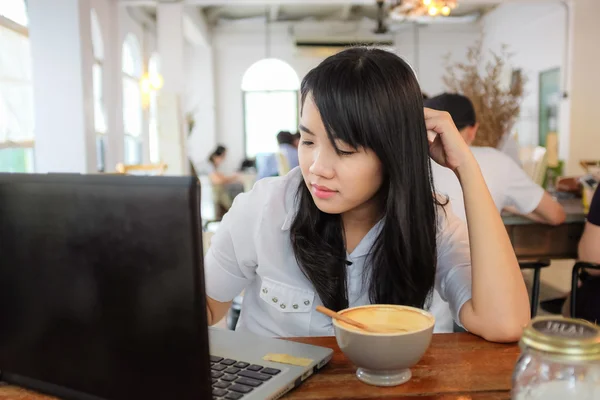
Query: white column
61,46
171,122
113,84
147,45
584,134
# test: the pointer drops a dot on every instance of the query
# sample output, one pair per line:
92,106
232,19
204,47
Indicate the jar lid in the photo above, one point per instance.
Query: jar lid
566,337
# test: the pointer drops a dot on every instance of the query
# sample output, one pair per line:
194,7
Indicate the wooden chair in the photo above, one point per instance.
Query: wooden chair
537,266
535,163
590,166
576,274
283,165
141,169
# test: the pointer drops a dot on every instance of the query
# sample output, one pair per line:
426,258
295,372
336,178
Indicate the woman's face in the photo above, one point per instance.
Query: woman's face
338,182
218,160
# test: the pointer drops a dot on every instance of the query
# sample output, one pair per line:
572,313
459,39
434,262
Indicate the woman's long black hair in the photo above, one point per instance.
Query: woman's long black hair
370,98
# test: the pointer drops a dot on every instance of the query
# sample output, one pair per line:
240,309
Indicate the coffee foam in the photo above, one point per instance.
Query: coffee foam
405,320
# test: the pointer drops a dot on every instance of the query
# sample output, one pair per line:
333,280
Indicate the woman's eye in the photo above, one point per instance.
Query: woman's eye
307,143
346,153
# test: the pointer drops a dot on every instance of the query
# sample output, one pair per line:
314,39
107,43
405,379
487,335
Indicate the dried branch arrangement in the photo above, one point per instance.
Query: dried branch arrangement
497,107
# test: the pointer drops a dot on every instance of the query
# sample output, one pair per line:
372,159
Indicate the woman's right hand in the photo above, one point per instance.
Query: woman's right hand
446,145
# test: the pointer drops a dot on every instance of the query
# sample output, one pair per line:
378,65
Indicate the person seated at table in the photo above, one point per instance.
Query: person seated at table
358,223
287,148
268,163
588,294
297,140
224,187
511,188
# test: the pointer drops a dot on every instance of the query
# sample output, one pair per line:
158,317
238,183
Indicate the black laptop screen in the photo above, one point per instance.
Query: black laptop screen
99,285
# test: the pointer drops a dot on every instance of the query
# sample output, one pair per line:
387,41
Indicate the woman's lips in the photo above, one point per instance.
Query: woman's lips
323,192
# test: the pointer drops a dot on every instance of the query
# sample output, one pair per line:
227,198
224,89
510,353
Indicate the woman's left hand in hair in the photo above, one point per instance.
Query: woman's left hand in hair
446,145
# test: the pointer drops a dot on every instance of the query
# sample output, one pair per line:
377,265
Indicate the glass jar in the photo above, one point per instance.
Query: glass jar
560,359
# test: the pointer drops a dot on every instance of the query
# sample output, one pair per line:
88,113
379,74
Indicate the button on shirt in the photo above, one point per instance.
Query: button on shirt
252,251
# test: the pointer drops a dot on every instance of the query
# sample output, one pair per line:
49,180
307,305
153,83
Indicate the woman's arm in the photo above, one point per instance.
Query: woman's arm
216,310
230,262
218,178
499,307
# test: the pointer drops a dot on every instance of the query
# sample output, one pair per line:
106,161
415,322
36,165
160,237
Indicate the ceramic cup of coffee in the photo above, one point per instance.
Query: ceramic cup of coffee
384,359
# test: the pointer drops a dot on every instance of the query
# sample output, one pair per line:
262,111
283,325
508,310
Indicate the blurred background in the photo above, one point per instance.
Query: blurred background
211,87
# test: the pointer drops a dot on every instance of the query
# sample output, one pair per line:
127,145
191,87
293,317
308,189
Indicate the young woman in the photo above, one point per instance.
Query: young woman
358,223
221,183
215,160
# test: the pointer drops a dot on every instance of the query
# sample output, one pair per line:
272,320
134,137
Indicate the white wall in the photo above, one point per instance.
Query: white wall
425,48
199,101
62,85
237,48
584,85
535,33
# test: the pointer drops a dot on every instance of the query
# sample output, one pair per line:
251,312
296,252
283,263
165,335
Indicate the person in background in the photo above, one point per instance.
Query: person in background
296,139
588,294
224,187
286,146
359,222
215,160
509,146
511,188
267,164
508,184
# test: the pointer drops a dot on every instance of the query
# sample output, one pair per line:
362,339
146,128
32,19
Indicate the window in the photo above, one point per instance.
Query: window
153,70
132,100
16,91
270,90
99,107
15,10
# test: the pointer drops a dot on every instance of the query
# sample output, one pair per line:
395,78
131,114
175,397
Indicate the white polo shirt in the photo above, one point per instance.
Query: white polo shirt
252,251
507,182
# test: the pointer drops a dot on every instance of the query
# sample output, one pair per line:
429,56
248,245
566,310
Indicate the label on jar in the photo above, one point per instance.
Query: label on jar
565,329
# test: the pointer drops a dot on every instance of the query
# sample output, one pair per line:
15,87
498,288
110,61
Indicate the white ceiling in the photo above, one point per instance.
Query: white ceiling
324,11
215,11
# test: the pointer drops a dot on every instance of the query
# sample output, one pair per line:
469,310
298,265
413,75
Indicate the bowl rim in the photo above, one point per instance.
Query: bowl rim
365,333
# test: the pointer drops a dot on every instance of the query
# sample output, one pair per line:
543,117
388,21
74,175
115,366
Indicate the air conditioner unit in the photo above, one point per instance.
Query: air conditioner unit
326,48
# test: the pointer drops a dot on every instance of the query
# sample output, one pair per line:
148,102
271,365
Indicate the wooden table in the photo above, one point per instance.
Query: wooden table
457,366
532,240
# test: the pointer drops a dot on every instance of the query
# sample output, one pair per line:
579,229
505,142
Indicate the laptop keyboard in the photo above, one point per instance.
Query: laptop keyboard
232,379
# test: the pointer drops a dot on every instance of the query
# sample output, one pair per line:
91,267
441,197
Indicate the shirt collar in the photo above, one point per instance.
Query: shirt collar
290,200
365,245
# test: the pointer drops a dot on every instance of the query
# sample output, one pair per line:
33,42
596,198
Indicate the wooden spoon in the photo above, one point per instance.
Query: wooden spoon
340,317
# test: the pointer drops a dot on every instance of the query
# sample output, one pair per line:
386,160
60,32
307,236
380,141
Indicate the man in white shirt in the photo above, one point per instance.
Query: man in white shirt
511,188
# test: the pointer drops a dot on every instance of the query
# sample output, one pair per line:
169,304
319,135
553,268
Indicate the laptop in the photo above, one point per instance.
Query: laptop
102,296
